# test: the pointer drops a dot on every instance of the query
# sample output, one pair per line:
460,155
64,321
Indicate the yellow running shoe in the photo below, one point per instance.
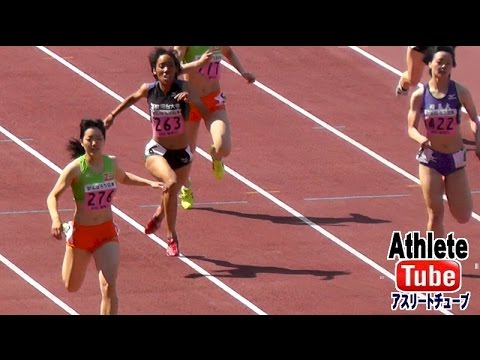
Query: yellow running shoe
217,166
186,198
218,169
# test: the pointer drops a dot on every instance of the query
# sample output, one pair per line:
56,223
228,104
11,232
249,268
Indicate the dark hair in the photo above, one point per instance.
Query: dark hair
432,50
74,146
159,51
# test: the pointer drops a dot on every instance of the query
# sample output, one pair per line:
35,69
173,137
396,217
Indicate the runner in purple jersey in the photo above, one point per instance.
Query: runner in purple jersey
442,156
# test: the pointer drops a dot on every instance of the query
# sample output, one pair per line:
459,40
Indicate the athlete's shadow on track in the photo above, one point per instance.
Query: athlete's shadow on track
292,220
251,271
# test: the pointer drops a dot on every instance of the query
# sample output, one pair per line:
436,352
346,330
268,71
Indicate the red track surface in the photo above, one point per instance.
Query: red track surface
256,248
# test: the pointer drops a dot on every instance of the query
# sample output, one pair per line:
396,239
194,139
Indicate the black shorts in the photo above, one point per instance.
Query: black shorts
175,158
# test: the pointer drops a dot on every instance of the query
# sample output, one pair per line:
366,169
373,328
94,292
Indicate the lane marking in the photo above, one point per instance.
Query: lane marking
29,212
10,141
36,285
336,127
256,193
356,197
202,204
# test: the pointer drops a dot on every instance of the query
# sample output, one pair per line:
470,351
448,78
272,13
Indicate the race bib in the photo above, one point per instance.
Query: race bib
99,196
167,122
212,69
441,125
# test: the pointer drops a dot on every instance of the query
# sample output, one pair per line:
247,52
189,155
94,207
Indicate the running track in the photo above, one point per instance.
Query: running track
300,226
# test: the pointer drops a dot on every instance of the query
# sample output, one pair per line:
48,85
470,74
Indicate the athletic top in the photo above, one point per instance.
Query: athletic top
95,189
442,116
167,115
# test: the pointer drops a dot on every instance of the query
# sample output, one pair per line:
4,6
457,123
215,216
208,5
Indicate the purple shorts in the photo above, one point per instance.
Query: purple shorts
445,164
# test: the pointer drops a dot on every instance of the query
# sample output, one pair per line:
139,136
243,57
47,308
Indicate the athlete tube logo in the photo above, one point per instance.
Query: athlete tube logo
428,265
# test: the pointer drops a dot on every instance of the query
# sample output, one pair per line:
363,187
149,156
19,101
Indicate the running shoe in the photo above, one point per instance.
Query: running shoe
186,197
153,224
217,166
172,248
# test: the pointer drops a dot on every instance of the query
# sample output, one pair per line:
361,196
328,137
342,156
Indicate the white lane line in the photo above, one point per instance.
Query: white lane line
200,204
336,127
356,197
30,212
376,60
257,188
140,228
36,285
10,141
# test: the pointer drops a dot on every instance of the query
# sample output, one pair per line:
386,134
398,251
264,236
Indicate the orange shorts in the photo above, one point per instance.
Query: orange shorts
90,238
213,101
